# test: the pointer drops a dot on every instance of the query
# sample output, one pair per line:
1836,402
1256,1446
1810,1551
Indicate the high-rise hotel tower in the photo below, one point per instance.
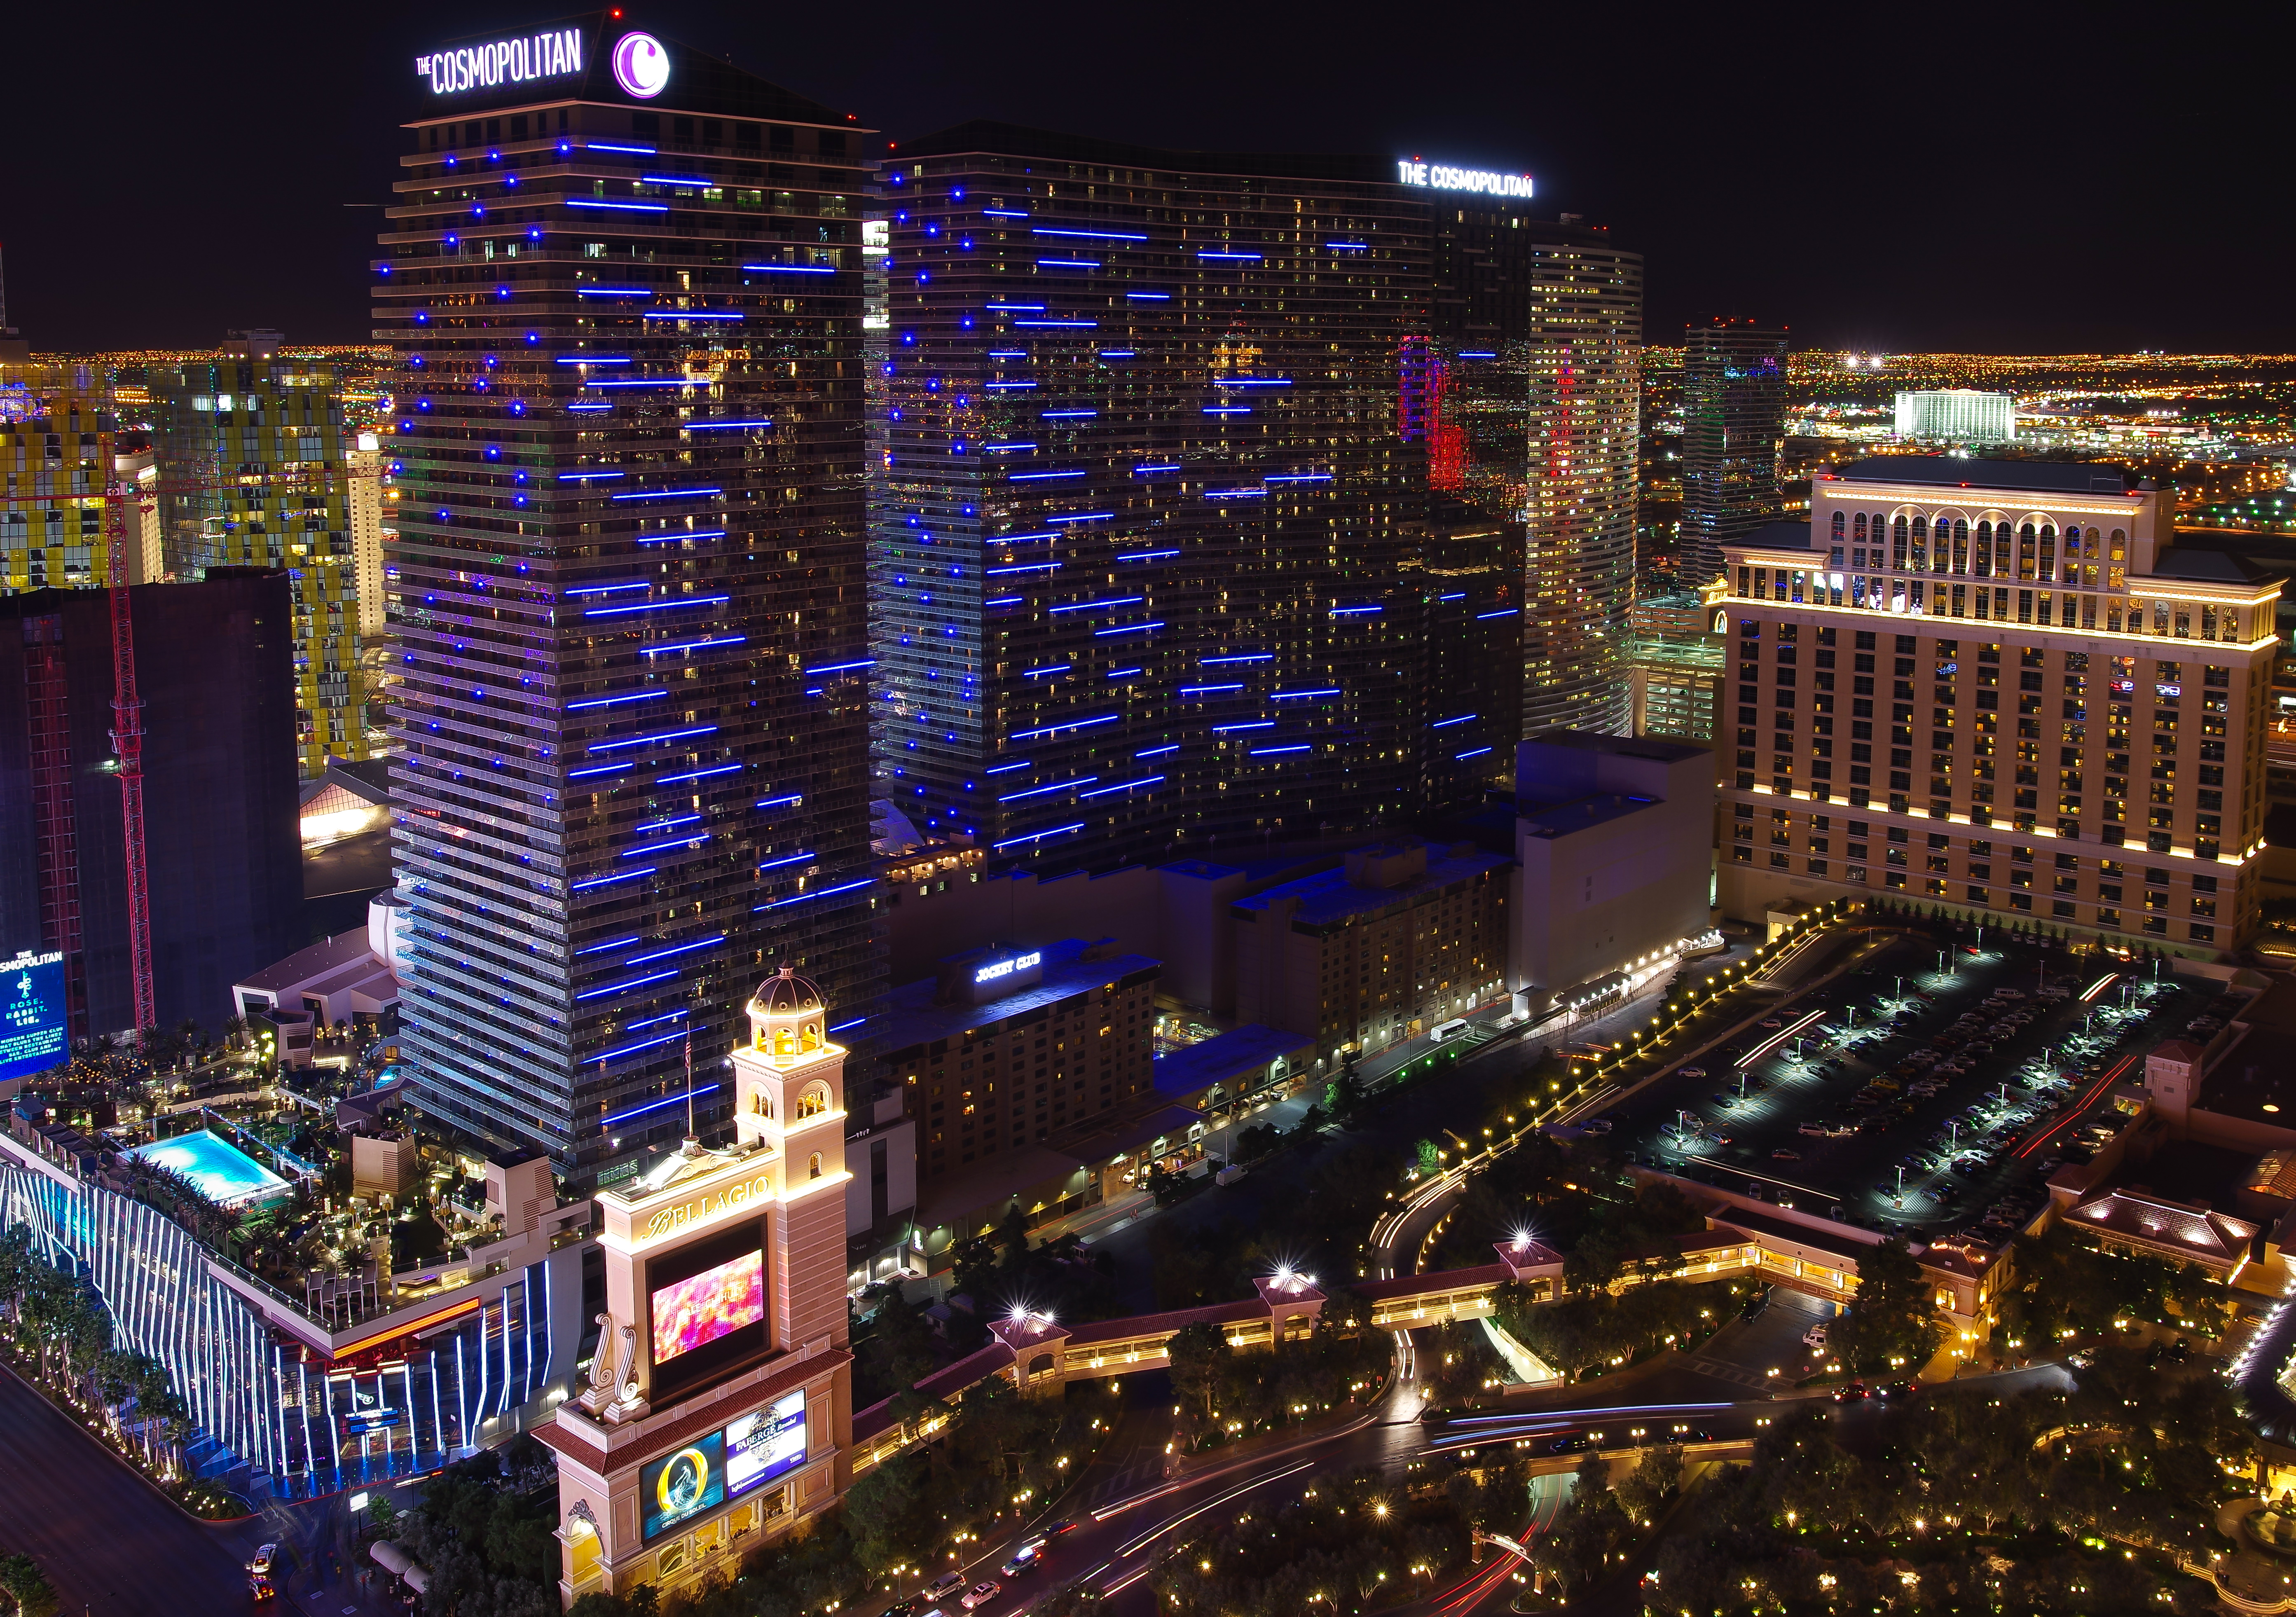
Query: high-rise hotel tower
1997,689
1155,565
623,278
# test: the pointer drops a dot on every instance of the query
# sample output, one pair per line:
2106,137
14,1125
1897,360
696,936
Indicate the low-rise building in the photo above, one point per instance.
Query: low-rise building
351,978
1399,937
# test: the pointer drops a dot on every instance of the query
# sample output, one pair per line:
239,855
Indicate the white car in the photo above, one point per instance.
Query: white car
261,1565
1814,1338
981,1593
947,1584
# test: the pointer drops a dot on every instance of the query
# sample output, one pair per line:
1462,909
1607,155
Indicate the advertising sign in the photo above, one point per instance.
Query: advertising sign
765,1444
1443,176
701,1308
35,1032
682,1485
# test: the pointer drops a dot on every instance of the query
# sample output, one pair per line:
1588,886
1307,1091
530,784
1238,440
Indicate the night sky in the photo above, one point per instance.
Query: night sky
2004,179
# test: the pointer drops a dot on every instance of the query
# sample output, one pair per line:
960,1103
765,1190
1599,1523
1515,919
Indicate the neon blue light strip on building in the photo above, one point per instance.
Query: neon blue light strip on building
581,201
600,948
703,426
1023,567
693,314
1242,657
1084,516
1068,264
613,292
1008,768
1347,246
1008,448
625,986
1145,555
666,494
672,179
656,606
1007,387
1249,257
1256,724
1329,690
1018,539
665,824
1511,611
1038,836
1127,787
1149,296
668,1100
1444,723
1236,494
1158,751
1274,751
664,384
1137,628
599,359
1094,235
818,893
599,145
648,740
627,875
1057,668
1461,757
1252,381
1119,353
1066,324
576,774
1042,477
1206,690
1005,601
792,269
671,535
675,949
779,802
1041,791
1004,213
1094,606
1068,415
790,859
698,775
1025,308
1122,673
694,645
1458,595
669,847
610,589
1151,470
1346,611
1297,477
843,668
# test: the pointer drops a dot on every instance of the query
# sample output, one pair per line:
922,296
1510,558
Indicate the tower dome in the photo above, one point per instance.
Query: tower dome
788,1019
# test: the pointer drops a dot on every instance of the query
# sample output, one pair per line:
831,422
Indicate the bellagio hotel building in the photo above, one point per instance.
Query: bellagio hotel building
1995,688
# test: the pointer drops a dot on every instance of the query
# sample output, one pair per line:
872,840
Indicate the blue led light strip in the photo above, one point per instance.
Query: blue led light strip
692,645
1040,791
623,986
1074,724
1127,787
1244,657
792,858
1094,606
822,892
1330,690
698,775
693,314
648,740
1461,757
779,802
1441,724
1136,628
627,875
1273,752
656,606
668,1100
1511,611
580,201
675,949
1038,836
1090,235
697,426
666,494
610,589
841,667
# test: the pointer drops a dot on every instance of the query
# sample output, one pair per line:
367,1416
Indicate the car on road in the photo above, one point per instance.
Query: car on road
1691,1073
1020,1563
1057,1528
1814,1338
1755,1305
1895,1390
1853,1393
947,1584
905,1608
260,1589
1783,1155
261,1565
981,1594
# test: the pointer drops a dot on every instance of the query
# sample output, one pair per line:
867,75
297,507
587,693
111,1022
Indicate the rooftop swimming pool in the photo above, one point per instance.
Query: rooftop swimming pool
221,1170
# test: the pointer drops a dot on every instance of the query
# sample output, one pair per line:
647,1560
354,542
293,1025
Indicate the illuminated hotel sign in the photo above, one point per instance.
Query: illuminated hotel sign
1005,968
1442,176
482,67
701,1209
35,1019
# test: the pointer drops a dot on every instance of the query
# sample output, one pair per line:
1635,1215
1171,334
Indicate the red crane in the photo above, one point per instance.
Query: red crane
127,705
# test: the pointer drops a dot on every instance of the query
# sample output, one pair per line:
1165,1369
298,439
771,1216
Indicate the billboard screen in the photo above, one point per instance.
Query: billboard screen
35,1023
701,1308
682,1485
765,1444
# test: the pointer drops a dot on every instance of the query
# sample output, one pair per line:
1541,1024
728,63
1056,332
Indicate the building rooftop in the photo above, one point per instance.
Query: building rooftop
2197,1233
1239,1050
915,1017
2206,567
345,951
1584,814
1328,899
1617,746
1785,534
1952,472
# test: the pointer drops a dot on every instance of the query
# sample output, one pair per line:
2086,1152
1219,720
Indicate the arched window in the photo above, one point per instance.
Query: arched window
1841,519
813,1166
1984,550
1858,529
1961,546
765,1104
811,1037
813,1103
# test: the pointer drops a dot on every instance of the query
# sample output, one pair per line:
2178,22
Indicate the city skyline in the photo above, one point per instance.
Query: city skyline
77,269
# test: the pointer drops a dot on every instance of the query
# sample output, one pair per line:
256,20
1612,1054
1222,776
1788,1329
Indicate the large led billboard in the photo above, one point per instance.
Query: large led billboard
698,1310
765,1444
705,1309
681,1486
35,1026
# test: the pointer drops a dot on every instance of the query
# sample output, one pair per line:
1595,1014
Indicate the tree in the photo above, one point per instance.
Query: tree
20,1580
1651,1486
1198,1357
1012,1235
1891,1322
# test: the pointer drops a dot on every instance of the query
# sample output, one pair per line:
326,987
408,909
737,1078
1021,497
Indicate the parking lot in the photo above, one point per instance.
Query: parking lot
1933,1091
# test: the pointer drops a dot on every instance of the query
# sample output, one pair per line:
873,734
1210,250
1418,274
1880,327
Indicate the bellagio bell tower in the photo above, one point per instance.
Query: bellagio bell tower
719,1409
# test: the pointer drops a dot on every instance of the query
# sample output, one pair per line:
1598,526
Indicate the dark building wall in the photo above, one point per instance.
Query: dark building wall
214,666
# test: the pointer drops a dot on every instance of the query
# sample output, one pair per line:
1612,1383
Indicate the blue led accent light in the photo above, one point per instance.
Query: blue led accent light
1146,555
675,949
1038,836
1094,606
668,493
648,740
1057,668
1350,612
1076,325
1022,567
596,359
1274,752
1158,751
1458,595
611,701
1136,628
1148,780
1227,410
600,948
657,606
1005,601
1477,354
1068,264
671,535
1026,308
1297,477
699,774
599,145
1252,381
693,314
1008,448
587,477
698,426
1152,471
608,590
1511,611
1040,791
613,292
665,383
1347,246
1206,690
598,769
1007,387
668,1100
1022,539
779,802
1329,690
1442,723
1461,757
672,179
1246,657
694,645
589,407
583,202
1008,768
843,668
1042,477
1236,494
1069,415
1247,258
625,986
790,859
627,875
822,892
1123,673
792,269
1084,516
1090,235
1149,296
1004,213
1256,724
666,824
1119,353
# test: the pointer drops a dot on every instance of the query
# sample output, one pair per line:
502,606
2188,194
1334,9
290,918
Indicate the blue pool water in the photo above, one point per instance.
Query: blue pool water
221,1170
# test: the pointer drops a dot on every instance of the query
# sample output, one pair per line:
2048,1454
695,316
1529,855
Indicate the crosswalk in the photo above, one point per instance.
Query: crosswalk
1737,1374
1140,1468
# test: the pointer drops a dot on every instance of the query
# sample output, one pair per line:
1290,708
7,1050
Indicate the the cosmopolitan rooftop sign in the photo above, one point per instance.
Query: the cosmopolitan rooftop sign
554,54
1442,176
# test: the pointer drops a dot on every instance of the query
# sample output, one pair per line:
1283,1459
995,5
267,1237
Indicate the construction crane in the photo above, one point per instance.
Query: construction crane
120,499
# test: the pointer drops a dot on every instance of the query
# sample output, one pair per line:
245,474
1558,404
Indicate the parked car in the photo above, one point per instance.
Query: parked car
1814,1338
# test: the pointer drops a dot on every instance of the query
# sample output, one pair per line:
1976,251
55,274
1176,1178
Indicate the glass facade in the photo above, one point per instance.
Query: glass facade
626,571
1144,495
1734,411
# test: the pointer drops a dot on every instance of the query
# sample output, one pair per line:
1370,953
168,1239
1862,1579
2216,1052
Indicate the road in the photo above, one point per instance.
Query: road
107,1540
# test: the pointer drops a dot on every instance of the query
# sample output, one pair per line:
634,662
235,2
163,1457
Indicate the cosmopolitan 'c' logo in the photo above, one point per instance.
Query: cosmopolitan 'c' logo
640,65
